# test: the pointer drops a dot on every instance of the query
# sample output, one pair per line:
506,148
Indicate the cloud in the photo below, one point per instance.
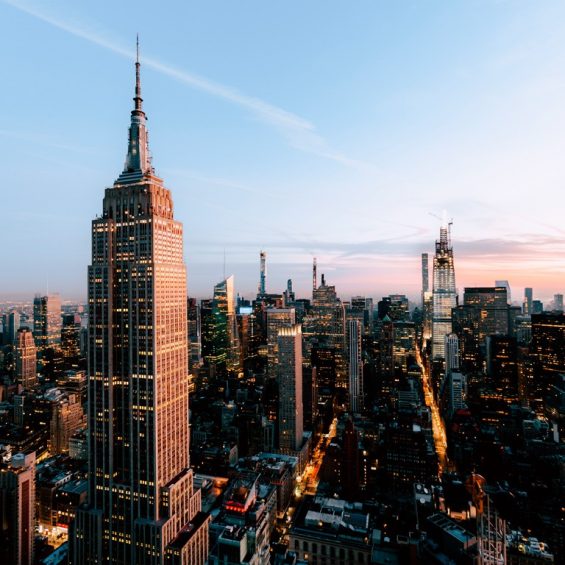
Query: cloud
512,253
219,181
43,140
298,132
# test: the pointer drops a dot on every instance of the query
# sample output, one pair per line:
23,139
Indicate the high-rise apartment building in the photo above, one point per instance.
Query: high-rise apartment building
289,376
142,506
425,273
26,359
262,290
277,318
444,292
355,365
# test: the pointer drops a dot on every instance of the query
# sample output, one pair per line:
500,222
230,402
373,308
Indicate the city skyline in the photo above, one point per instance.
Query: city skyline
474,130
323,322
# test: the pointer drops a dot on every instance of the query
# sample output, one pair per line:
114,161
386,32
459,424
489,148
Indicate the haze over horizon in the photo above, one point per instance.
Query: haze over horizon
317,130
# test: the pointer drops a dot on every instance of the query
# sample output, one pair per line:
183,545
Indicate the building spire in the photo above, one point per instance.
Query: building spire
138,160
137,99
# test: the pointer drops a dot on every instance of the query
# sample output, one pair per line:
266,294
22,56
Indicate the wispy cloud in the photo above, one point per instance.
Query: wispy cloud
299,132
221,182
517,252
43,140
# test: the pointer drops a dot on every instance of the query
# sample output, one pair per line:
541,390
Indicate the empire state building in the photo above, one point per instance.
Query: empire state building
141,507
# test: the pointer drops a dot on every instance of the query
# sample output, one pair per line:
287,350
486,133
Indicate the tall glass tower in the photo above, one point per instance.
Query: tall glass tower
141,507
444,292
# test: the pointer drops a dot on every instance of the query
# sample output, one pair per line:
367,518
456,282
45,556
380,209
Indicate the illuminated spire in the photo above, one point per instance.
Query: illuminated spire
138,159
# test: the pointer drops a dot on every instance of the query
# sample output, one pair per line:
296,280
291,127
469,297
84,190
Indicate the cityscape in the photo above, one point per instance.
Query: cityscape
291,424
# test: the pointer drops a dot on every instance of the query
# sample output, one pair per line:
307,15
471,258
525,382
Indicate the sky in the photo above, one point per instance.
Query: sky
335,130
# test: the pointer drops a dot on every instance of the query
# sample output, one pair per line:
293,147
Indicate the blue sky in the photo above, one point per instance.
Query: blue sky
331,129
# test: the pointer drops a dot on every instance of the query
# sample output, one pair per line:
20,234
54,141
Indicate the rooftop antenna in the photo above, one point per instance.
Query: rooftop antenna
138,100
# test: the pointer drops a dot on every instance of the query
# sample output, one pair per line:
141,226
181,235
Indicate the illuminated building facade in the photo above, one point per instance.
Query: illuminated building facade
289,376
17,508
354,343
67,418
502,363
47,321
324,326
142,507
491,304
70,340
223,338
277,318
548,348
444,292
451,353
26,359
427,299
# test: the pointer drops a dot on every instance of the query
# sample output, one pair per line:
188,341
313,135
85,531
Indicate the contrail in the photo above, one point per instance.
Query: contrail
298,132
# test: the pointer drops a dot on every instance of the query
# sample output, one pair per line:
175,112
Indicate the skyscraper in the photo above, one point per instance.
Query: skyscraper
427,299
506,285
10,323
142,507
224,333
354,339
47,321
484,312
451,353
263,274
194,333
325,326
314,276
548,348
289,374
491,305
444,292
26,359
425,273
277,318
528,299
288,295
17,507
453,392
67,416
